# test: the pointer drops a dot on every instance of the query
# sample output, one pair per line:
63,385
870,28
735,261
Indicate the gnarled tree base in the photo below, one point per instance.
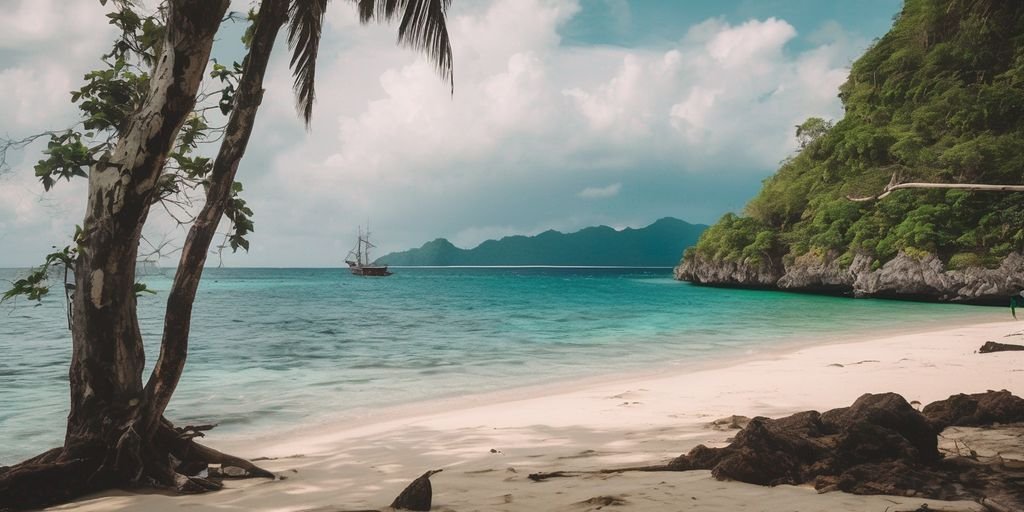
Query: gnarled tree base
172,461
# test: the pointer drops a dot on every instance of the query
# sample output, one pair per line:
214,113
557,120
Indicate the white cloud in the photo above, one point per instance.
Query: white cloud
531,122
750,46
45,48
33,95
32,23
600,192
531,117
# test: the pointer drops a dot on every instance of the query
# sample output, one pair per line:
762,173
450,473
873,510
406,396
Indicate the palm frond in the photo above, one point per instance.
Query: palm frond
423,27
305,25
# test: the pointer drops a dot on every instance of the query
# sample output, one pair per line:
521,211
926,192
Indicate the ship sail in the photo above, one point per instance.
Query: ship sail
359,262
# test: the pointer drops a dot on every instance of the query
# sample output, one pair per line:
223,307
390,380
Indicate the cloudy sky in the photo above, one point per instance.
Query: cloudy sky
566,113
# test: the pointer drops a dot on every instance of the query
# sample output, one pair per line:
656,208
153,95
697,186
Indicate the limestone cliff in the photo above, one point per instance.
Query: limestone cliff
903,277
938,100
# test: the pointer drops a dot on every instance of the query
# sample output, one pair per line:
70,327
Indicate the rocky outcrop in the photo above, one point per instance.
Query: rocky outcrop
905,276
700,270
879,445
813,273
798,448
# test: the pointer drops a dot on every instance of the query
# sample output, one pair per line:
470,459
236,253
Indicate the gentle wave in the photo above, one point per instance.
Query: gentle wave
278,346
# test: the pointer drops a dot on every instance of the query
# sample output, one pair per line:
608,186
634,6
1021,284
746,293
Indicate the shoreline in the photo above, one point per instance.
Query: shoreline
281,370
487,448
671,370
467,400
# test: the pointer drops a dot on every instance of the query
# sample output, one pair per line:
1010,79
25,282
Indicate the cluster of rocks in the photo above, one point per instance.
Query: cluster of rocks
905,276
879,445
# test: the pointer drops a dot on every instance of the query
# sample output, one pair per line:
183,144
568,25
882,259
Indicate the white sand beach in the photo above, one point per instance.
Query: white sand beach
488,444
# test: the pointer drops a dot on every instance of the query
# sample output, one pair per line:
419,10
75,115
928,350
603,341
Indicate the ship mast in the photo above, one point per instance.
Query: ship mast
358,247
362,248
366,240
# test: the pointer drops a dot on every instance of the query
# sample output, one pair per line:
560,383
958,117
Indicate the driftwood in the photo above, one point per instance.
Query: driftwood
418,495
542,476
996,506
992,346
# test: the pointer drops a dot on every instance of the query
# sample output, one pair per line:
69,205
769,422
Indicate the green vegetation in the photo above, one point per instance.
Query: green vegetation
940,98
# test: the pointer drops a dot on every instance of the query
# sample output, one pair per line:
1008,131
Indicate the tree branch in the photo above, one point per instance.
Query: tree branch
107,350
946,186
177,318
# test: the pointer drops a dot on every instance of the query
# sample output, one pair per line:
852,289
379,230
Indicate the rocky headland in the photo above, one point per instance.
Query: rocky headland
903,277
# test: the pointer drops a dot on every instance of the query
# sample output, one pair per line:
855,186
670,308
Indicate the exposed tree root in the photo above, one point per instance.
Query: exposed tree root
31,484
196,457
172,460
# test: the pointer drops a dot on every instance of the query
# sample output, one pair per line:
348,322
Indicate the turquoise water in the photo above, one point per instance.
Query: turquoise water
285,346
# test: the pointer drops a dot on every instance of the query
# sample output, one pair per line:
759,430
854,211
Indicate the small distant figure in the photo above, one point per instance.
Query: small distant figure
1014,301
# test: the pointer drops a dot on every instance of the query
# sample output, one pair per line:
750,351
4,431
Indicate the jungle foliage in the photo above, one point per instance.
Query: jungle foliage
939,98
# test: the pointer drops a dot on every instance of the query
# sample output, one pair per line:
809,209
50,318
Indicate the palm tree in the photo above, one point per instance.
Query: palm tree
117,435
422,27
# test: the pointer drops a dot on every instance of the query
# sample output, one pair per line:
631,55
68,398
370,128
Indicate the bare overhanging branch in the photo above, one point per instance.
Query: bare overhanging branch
983,187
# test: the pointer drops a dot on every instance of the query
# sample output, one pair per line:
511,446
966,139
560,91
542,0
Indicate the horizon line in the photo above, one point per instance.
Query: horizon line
410,266
526,266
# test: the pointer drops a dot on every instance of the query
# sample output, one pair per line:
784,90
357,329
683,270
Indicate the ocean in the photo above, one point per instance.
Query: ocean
285,347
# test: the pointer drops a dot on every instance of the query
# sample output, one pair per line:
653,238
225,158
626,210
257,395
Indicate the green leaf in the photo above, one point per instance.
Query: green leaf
141,288
67,157
34,286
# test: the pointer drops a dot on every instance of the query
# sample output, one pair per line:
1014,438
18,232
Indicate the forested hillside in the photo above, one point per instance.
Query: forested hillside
940,98
656,245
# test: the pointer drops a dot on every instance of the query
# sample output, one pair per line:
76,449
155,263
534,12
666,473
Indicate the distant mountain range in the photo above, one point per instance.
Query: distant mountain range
657,245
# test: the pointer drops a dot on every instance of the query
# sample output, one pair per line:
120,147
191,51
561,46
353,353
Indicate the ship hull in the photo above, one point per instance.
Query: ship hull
368,271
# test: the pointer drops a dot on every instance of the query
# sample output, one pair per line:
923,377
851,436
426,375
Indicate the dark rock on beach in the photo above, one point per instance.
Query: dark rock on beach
882,427
770,453
878,445
992,346
981,409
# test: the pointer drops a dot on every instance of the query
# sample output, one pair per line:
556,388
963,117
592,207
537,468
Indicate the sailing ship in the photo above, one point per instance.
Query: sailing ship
359,258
